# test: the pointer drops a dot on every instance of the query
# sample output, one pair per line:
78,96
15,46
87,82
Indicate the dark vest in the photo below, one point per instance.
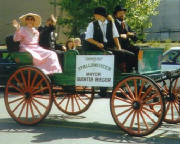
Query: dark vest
123,42
98,36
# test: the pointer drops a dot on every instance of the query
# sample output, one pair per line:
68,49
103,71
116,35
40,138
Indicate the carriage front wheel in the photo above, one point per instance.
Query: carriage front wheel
74,101
28,95
131,103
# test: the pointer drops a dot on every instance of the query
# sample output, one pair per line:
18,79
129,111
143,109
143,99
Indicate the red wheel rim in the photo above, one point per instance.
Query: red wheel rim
74,103
130,105
28,96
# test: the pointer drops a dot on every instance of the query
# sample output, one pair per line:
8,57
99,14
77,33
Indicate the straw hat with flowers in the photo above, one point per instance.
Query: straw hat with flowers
37,18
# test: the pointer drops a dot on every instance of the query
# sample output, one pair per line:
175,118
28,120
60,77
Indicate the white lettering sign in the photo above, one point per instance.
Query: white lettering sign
94,70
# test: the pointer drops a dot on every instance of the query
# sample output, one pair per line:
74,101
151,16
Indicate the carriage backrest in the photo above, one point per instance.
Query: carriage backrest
70,61
20,58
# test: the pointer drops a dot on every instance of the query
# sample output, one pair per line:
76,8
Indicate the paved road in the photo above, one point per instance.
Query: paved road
95,126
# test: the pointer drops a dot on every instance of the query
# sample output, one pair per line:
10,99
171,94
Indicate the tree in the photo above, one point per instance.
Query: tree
80,13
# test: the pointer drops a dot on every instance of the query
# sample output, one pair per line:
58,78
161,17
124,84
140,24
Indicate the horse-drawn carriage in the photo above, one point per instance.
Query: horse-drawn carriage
140,101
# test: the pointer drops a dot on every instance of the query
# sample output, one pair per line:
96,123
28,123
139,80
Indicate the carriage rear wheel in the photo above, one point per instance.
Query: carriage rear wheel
130,105
28,95
172,102
74,101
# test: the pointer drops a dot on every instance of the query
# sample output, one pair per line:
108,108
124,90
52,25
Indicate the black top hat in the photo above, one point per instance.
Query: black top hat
101,11
118,8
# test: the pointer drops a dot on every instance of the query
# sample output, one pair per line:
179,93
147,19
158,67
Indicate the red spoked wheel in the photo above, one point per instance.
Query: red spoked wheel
28,95
130,105
74,100
172,102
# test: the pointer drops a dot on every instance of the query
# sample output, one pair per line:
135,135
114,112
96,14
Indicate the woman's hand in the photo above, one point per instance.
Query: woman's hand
16,24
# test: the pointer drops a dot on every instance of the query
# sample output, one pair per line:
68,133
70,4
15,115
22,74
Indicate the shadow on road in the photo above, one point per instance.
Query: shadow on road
57,127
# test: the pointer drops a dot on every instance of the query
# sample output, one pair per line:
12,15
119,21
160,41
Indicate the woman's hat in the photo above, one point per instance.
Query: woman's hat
37,18
101,11
118,8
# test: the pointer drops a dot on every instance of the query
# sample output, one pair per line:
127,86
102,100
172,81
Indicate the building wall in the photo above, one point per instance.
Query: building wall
166,25
13,9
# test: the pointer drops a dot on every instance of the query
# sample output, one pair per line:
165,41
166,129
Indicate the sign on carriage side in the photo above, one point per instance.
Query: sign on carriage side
94,70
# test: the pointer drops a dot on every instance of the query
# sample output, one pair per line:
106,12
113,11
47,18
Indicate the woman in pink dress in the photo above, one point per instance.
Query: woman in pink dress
28,36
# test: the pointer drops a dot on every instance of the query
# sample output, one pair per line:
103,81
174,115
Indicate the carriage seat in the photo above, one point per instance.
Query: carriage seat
20,58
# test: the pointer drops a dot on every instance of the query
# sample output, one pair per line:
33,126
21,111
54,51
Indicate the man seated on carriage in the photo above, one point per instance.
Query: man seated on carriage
126,35
102,35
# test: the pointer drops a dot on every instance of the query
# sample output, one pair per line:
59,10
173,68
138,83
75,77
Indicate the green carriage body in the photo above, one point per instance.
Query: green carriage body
149,62
9,62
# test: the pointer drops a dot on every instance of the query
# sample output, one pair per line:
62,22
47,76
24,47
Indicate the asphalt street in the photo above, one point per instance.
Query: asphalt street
95,126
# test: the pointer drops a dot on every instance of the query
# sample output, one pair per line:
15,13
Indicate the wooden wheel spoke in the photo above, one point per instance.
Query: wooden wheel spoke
148,116
135,89
38,84
175,84
132,120
34,79
141,88
118,106
172,111
18,89
16,100
167,108
41,97
153,104
125,94
15,94
72,103
81,100
40,103
22,109
19,82
150,98
23,78
86,96
36,108
123,112
62,100
124,100
77,103
178,111
129,90
127,117
40,90
138,122
29,79
18,105
27,110
144,121
147,92
67,103
150,110
32,112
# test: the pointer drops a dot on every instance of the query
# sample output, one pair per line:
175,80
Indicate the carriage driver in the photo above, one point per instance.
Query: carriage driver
102,35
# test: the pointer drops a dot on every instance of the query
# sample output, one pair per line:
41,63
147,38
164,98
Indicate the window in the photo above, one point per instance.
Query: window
172,57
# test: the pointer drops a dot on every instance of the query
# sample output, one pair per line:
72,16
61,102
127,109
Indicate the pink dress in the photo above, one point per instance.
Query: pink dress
44,59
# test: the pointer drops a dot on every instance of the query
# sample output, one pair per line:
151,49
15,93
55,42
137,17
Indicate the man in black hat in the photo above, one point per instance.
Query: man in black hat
102,35
125,33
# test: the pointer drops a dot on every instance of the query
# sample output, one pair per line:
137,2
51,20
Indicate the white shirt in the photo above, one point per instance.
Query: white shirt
103,26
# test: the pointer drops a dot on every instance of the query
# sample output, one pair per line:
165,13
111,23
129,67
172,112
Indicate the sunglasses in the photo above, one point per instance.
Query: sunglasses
30,18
